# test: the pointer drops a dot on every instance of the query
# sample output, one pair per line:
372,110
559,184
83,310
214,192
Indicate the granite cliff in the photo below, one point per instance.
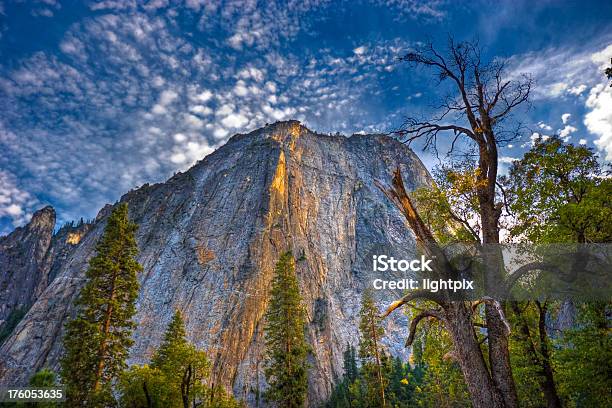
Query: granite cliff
208,241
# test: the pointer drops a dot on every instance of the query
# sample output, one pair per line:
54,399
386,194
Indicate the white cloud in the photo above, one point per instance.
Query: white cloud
15,203
566,132
220,133
507,159
544,126
201,110
193,121
271,87
599,120
178,158
602,58
557,89
240,89
577,90
159,109
234,120
254,73
565,117
582,142
570,72
155,101
360,50
204,96
179,137
167,97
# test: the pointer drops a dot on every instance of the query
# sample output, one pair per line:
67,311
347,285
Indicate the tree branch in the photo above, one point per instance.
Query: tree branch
413,295
523,270
416,320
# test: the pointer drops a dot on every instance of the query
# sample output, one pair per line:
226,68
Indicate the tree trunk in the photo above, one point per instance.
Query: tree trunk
145,389
487,390
548,383
106,330
499,356
483,392
373,325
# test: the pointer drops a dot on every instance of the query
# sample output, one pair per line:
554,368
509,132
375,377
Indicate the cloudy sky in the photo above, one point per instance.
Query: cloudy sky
98,97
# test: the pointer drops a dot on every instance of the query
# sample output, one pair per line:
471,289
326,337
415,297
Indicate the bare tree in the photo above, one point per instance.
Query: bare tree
478,111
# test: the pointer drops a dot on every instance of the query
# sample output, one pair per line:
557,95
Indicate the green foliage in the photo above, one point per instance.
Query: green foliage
524,344
350,363
11,322
177,376
584,358
44,378
402,384
370,351
286,347
558,194
184,367
97,340
143,386
450,207
442,383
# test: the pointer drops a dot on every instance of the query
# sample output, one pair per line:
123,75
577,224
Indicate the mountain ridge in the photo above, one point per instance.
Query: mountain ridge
209,238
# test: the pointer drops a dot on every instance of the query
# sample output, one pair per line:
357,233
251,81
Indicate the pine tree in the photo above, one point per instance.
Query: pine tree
350,364
370,351
174,339
97,341
44,378
184,367
176,377
286,347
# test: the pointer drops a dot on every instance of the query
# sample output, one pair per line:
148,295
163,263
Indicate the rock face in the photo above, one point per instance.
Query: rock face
208,241
22,257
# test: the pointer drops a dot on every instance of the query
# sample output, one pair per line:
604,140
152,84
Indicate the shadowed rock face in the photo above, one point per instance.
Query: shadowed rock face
22,257
208,241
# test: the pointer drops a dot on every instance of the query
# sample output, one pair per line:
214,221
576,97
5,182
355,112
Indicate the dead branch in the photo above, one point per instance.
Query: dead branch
398,195
416,320
413,295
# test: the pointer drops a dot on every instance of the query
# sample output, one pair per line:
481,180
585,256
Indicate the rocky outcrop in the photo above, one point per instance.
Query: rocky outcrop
22,257
208,241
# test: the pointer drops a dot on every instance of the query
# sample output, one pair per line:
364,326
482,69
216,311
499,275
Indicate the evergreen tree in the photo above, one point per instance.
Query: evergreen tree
370,351
174,339
341,397
97,341
44,378
184,367
350,363
176,377
399,389
286,347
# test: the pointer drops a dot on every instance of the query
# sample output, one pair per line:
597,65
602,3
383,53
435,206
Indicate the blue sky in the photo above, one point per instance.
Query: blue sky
98,97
